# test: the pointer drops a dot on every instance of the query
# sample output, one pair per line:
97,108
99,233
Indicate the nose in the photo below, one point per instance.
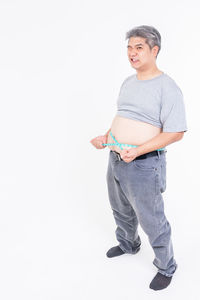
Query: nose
133,53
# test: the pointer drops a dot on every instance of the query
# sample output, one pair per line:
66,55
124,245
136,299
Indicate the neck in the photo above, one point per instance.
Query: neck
148,74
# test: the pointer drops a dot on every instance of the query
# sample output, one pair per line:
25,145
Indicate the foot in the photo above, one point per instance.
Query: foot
160,282
116,251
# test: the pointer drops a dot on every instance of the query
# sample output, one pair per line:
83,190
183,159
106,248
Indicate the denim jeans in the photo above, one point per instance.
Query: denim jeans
135,194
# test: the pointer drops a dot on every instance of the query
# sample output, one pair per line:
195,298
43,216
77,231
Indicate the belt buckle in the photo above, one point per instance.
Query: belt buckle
118,156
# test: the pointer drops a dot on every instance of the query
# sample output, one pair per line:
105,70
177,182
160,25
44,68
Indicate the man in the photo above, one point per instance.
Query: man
150,116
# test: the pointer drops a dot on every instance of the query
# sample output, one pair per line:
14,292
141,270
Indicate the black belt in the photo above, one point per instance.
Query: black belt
143,156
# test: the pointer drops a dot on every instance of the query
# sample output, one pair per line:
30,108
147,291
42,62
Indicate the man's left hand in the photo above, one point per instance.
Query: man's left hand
129,154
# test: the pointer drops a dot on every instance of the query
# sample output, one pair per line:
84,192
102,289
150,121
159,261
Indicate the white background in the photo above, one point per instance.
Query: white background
61,67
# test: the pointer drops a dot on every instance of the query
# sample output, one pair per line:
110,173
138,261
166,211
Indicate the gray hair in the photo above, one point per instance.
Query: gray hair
151,34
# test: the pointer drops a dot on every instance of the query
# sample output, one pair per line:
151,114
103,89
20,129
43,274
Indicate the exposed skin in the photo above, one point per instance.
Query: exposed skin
146,68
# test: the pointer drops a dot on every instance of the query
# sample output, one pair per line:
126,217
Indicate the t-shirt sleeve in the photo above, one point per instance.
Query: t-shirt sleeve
173,116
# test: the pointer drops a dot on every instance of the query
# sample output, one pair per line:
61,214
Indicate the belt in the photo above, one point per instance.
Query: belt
143,156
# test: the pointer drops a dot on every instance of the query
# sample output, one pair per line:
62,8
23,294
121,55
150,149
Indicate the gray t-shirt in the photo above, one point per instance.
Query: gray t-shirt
157,101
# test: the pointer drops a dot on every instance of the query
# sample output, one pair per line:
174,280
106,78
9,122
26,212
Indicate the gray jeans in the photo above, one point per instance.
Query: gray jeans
135,194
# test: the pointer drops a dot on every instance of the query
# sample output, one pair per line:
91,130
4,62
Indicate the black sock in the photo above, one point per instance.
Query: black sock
160,282
115,251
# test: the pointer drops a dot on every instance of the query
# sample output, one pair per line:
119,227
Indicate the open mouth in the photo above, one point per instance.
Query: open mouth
134,60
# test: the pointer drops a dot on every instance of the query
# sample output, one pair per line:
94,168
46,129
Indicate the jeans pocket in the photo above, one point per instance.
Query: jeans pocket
163,178
147,164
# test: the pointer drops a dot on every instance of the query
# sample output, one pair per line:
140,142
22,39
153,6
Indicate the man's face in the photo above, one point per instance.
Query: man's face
139,53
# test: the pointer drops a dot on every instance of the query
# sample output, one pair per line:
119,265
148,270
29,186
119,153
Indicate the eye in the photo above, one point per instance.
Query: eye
139,47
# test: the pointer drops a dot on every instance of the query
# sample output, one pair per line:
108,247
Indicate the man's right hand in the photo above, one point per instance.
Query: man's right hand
98,141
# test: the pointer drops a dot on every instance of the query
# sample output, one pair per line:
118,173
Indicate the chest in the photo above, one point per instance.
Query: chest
140,98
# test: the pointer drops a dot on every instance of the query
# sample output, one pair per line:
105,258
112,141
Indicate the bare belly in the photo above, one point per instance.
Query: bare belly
131,132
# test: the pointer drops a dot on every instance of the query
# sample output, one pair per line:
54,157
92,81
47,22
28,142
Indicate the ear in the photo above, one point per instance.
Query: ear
155,50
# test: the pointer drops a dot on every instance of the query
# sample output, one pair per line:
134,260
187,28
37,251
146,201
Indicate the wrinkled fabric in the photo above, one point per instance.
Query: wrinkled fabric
135,195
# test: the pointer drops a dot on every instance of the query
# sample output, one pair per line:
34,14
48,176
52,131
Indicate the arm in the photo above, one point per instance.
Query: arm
159,141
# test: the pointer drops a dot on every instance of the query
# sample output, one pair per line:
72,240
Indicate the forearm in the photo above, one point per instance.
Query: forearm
159,141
